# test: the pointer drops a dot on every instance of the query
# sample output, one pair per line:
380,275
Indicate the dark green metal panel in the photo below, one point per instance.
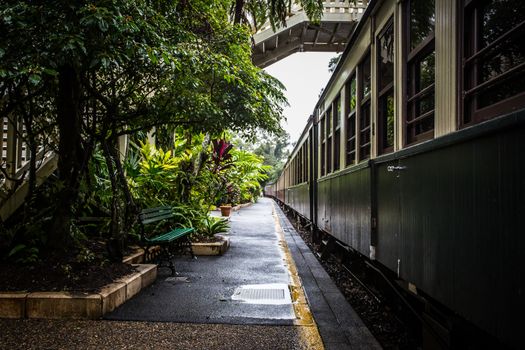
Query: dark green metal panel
336,206
510,271
361,226
427,231
298,199
388,215
454,219
346,208
475,207
323,200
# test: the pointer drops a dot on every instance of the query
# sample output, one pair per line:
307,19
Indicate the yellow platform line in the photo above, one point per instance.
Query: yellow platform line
308,330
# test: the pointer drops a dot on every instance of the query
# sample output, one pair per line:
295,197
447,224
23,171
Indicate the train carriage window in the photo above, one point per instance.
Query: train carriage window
329,134
351,103
323,147
292,173
420,58
297,169
298,161
299,166
337,132
385,101
363,74
493,59
301,162
305,162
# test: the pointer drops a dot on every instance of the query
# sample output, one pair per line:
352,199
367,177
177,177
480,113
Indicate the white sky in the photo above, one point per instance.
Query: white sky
304,75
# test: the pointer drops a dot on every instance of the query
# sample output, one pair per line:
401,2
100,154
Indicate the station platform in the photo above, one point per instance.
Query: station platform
268,291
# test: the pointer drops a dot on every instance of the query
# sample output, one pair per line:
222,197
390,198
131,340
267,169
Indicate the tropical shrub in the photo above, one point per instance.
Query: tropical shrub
213,225
157,178
248,174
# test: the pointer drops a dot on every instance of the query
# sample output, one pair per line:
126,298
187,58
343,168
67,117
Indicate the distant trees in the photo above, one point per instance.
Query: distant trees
274,150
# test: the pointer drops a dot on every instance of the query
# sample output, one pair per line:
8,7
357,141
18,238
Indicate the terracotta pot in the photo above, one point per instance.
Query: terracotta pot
225,210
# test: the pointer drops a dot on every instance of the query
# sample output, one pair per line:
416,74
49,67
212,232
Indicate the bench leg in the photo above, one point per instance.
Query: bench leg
165,258
188,242
168,255
171,267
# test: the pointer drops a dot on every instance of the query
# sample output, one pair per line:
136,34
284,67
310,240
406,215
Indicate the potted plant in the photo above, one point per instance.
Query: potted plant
208,240
229,196
226,209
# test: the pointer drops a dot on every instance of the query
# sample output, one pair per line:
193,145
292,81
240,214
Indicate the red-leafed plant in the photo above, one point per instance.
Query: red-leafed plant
221,156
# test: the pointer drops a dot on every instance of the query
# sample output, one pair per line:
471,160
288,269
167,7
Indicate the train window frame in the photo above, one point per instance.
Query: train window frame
336,115
296,161
472,55
294,172
307,159
300,161
414,57
385,93
351,127
329,139
364,103
322,145
303,162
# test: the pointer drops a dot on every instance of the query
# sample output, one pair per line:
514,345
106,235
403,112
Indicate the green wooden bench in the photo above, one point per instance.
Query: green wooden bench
172,242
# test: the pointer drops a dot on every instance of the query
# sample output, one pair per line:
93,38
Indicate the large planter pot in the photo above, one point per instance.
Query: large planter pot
226,210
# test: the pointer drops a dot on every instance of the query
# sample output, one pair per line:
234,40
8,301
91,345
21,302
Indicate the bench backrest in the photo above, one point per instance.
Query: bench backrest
151,215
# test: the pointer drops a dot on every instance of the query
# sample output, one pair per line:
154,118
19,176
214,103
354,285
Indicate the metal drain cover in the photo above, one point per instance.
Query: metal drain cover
269,294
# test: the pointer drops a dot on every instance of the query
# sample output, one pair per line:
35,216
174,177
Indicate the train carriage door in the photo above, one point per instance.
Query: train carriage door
388,213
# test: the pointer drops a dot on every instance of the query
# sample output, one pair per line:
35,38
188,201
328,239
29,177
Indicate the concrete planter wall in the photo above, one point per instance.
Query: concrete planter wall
73,304
213,248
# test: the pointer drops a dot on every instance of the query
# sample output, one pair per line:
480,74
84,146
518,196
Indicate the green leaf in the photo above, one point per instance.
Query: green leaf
34,79
17,249
51,72
152,56
166,58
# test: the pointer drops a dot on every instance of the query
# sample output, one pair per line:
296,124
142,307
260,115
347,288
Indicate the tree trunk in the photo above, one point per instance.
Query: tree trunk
239,5
116,244
123,208
70,155
131,210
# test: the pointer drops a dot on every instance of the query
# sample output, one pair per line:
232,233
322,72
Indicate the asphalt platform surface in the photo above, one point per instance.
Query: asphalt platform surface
197,310
203,288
